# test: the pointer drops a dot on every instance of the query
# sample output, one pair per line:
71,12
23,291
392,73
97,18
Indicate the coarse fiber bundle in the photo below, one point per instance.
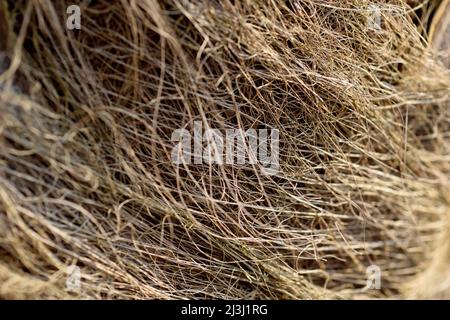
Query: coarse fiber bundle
89,186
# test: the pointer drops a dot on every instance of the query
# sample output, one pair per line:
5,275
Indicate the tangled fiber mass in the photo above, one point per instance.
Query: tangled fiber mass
87,180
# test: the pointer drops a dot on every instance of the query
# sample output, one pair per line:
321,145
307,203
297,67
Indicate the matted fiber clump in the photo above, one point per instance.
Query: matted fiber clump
87,177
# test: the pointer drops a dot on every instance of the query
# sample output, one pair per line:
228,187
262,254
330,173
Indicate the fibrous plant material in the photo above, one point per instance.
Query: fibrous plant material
87,178
440,31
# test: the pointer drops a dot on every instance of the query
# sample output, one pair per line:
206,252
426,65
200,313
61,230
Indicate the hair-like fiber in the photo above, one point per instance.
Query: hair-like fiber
86,177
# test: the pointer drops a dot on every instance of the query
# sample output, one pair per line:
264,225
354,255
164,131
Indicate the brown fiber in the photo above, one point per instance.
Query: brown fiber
86,177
